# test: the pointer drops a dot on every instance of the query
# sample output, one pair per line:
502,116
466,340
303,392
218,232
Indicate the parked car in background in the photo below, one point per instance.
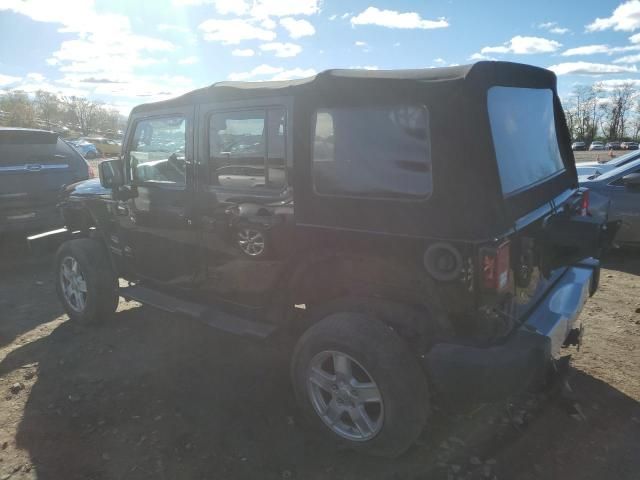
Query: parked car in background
629,145
617,192
104,145
612,146
578,146
34,165
596,146
86,149
586,169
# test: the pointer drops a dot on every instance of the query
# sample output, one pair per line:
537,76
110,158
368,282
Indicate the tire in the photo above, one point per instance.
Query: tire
100,297
375,351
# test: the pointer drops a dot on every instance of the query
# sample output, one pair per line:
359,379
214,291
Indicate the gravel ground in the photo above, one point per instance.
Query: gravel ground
151,396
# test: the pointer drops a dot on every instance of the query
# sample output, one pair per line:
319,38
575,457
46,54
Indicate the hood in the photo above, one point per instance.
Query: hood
86,188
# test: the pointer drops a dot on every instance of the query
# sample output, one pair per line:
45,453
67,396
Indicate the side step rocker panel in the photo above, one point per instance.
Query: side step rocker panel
212,317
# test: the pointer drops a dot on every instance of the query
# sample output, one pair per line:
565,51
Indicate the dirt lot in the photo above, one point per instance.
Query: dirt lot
148,396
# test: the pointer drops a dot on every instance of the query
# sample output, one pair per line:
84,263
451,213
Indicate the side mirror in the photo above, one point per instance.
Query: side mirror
631,180
111,174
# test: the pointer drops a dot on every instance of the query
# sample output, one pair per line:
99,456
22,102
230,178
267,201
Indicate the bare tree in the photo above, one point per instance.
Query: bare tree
617,109
19,109
48,106
583,113
83,111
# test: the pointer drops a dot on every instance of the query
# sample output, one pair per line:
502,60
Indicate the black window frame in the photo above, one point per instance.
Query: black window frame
264,191
126,155
405,199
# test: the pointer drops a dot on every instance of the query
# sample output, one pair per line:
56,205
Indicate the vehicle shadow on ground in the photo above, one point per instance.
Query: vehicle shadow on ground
23,275
625,260
148,395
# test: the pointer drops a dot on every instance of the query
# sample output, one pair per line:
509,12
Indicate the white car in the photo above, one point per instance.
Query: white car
596,146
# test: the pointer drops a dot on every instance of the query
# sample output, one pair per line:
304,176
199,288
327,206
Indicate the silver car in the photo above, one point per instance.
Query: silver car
589,168
617,192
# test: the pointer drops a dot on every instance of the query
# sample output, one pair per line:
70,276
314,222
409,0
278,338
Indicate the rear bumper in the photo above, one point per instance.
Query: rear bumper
485,374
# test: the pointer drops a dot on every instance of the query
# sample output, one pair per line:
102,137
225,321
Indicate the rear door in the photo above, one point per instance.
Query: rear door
34,165
244,204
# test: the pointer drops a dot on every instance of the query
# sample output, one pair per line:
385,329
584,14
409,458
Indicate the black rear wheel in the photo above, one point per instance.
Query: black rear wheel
357,380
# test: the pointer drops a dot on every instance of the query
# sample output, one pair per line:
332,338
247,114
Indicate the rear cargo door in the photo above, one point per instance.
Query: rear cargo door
534,179
34,166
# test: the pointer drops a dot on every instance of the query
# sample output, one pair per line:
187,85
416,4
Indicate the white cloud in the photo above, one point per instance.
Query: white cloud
259,71
635,38
268,24
165,27
105,45
282,49
524,45
628,59
281,8
243,52
395,19
439,61
365,67
6,80
611,84
346,15
268,72
625,17
294,73
479,56
297,28
360,43
189,60
236,7
586,50
553,27
234,31
333,17
586,68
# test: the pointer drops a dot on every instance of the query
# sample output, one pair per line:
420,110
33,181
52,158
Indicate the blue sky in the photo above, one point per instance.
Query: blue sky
125,53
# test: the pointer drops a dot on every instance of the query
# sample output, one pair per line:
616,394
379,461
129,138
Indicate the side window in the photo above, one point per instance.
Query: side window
157,152
247,149
376,152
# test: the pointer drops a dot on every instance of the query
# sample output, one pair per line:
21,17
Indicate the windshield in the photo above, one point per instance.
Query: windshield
524,136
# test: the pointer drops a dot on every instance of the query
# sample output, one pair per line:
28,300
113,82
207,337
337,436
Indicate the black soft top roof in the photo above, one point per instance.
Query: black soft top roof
467,201
338,78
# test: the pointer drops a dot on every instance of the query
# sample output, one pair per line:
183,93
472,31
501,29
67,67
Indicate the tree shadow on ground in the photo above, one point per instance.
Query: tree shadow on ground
148,395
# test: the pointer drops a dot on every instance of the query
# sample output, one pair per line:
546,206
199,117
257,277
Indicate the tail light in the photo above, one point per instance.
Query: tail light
584,204
495,267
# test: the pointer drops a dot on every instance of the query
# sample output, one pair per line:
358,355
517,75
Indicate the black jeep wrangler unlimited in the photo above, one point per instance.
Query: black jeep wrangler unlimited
423,229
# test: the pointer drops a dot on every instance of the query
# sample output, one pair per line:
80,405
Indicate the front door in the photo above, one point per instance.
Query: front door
158,238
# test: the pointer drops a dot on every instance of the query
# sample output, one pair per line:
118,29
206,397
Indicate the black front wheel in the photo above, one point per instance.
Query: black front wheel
85,282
